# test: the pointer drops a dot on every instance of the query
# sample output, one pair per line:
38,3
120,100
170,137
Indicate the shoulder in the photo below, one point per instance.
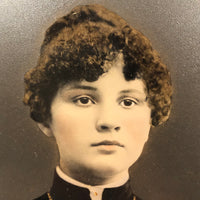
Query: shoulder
43,197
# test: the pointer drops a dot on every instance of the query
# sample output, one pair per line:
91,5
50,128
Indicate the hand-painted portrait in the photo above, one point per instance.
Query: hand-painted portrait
104,112
98,88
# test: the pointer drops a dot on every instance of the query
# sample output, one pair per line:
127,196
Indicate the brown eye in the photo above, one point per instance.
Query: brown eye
83,101
127,103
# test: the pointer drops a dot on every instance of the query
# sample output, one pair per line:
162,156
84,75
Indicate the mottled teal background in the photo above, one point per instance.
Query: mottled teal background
169,168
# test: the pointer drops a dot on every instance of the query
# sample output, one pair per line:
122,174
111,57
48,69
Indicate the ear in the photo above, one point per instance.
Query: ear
46,130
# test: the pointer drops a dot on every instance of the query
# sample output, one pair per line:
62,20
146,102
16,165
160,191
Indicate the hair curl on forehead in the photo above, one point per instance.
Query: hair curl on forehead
79,45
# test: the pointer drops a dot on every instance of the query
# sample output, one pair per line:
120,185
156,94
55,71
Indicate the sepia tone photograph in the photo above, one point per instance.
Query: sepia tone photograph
100,100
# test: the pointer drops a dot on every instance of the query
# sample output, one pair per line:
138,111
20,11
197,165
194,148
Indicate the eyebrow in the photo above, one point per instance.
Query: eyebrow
84,87
131,91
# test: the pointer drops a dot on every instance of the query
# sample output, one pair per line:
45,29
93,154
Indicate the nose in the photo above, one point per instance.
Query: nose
106,127
108,122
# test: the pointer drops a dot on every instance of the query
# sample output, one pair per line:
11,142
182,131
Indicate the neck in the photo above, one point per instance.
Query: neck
94,178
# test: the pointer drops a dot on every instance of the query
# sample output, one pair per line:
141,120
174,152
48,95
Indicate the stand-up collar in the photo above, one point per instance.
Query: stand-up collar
96,192
63,190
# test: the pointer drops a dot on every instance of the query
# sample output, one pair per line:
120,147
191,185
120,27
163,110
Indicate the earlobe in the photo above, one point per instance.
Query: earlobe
46,130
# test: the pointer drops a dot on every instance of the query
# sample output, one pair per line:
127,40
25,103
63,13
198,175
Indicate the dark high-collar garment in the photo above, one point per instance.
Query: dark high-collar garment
62,190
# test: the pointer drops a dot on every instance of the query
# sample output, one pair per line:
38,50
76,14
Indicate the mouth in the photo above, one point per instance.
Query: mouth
107,143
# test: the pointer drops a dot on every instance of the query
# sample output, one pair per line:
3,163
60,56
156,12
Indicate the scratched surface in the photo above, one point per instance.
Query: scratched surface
169,166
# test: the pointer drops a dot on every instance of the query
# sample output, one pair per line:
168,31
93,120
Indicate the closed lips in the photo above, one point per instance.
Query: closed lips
107,142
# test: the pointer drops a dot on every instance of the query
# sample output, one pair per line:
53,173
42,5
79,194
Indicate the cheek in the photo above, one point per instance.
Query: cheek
137,127
62,124
137,132
69,125
65,130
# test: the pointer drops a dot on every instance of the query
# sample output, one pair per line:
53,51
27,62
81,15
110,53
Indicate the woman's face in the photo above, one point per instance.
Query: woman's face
101,126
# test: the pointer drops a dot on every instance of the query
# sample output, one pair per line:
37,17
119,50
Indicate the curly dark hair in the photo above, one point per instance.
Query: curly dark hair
77,46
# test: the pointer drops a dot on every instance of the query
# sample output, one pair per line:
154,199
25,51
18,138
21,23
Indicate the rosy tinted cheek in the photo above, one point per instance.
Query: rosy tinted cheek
137,128
62,125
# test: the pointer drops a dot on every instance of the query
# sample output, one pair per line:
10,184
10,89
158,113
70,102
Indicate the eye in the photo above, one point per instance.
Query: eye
83,101
128,103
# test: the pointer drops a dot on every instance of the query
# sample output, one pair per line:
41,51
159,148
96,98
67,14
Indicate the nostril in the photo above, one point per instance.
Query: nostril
117,128
105,128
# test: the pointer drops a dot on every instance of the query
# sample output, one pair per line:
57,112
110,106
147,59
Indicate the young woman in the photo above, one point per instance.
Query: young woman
98,88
